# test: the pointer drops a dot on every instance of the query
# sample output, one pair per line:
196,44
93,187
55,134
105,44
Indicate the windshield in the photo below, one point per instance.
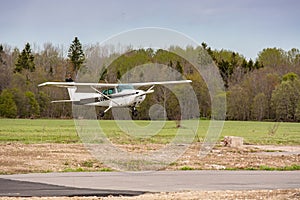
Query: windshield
124,87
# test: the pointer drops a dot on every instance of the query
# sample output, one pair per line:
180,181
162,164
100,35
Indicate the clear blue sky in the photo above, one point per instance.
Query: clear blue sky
245,26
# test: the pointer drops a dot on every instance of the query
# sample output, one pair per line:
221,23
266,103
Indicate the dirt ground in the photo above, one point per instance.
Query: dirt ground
228,195
291,194
29,158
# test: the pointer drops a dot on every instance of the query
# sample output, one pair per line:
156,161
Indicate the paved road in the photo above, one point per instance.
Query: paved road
135,183
29,189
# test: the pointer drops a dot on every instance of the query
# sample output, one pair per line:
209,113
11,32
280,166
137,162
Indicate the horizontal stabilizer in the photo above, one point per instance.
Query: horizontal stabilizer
72,84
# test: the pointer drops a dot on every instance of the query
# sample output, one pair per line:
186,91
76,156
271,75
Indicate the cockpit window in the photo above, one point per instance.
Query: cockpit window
109,91
124,87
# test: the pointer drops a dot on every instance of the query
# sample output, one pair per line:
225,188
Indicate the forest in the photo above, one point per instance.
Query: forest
264,89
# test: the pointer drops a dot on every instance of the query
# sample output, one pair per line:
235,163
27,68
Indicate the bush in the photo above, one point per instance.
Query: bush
8,107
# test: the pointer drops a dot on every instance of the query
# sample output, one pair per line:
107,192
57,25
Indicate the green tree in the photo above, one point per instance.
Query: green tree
293,57
226,69
52,64
20,101
208,49
25,60
285,98
272,57
259,106
298,111
8,107
5,69
76,55
290,77
179,67
119,75
32,106
219,111
227,62
1,55
239,103
44,102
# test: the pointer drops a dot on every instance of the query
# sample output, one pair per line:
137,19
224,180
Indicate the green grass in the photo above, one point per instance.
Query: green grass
268,168
284,133
38,131
79,169
286,168
64,131
186,168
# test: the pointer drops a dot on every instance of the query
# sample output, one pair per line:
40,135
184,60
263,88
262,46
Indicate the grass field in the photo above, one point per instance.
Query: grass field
64,131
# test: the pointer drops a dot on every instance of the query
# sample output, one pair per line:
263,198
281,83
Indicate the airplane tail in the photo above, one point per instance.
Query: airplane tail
75,95
71,91
72,95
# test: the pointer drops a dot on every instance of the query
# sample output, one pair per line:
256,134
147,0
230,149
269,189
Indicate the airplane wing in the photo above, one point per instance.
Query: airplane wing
159,83
97,85
70,84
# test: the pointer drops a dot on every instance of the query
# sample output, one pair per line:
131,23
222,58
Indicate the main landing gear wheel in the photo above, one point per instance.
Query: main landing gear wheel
134,112
102,113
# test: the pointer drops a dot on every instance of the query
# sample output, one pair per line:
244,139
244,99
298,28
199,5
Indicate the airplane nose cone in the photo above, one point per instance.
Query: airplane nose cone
140,99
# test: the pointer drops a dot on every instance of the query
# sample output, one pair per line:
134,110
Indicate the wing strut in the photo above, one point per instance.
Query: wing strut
110,104
105,95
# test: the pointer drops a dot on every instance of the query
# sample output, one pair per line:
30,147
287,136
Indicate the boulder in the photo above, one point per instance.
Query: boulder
233,141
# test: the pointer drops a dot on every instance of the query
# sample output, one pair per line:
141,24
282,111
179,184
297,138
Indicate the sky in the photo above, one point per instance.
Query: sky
244,26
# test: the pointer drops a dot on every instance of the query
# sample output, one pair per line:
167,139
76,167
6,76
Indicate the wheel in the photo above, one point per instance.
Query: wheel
101,114
134,112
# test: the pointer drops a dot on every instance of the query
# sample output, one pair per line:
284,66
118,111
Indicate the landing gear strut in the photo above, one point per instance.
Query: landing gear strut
134,112
101,114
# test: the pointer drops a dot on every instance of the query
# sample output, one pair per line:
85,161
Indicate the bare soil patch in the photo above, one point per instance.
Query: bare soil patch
28,158
229,195
291,194
246,157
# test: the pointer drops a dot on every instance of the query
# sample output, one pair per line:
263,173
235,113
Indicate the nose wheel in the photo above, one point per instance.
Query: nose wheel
134,112
102,113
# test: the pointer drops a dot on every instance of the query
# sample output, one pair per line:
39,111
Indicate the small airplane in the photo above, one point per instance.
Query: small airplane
111,94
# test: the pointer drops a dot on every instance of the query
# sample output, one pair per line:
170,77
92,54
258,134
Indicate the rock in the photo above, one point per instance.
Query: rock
233,141
217,167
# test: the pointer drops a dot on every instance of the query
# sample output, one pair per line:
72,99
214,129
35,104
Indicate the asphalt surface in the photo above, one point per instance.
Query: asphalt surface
12,188
136,183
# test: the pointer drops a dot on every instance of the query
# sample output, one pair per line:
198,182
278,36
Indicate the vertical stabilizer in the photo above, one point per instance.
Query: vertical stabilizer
71,91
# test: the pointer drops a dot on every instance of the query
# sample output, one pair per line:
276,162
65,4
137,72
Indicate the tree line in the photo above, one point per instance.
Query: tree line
267,88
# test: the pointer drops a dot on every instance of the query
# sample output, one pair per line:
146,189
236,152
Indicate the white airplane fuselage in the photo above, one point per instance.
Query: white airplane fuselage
124,98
